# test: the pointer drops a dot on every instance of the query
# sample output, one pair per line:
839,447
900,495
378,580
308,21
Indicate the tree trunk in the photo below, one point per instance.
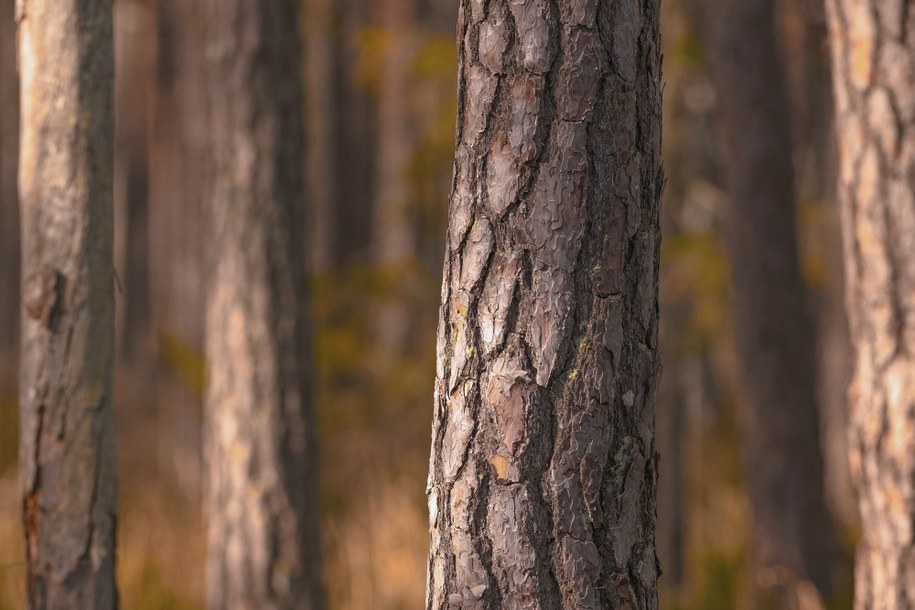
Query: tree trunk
175,256
394,214
132,35
793,537
9,209
322,47
873,53
355,127
812,105
543,468
261,490
67,458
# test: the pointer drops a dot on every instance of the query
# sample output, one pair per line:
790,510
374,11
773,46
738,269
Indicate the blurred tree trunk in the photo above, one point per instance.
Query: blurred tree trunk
322,46
133,29
793,536
394,214
810,85
67,453
543,467
176,158
873,54
9,207
673,431
177,145
262,501
355,127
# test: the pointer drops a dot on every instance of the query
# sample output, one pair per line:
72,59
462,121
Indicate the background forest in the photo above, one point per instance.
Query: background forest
380,115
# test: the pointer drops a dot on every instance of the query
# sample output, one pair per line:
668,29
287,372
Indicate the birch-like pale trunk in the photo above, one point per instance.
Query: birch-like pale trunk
543,469
67,433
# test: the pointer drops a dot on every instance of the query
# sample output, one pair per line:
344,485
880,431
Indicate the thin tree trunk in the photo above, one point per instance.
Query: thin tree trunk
9,208
175,255
262,502
355,126
394,214
177,153
322,48
873,53
810,84
543,468
133,31
793,536
67,458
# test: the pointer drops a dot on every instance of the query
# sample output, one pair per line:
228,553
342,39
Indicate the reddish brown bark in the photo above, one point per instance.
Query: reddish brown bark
543,468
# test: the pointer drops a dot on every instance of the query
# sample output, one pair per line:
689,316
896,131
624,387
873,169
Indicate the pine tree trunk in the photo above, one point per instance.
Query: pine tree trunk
261,490
873,53
543,468
793,537
67,459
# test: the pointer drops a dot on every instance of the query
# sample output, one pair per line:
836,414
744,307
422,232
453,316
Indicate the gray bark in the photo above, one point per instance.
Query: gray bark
793,537
543,468
67,448
873,54
262,508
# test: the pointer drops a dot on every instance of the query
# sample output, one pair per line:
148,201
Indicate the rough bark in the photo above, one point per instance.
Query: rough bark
543,468
9,208
263,542
793,538
67,448
873,53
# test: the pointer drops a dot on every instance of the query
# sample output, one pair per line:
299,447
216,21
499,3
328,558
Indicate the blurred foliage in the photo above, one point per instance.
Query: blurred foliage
375,401
816,225
373,44
184,360
151,592
12,567
375,413
430,170
697,271
9,430
161,549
